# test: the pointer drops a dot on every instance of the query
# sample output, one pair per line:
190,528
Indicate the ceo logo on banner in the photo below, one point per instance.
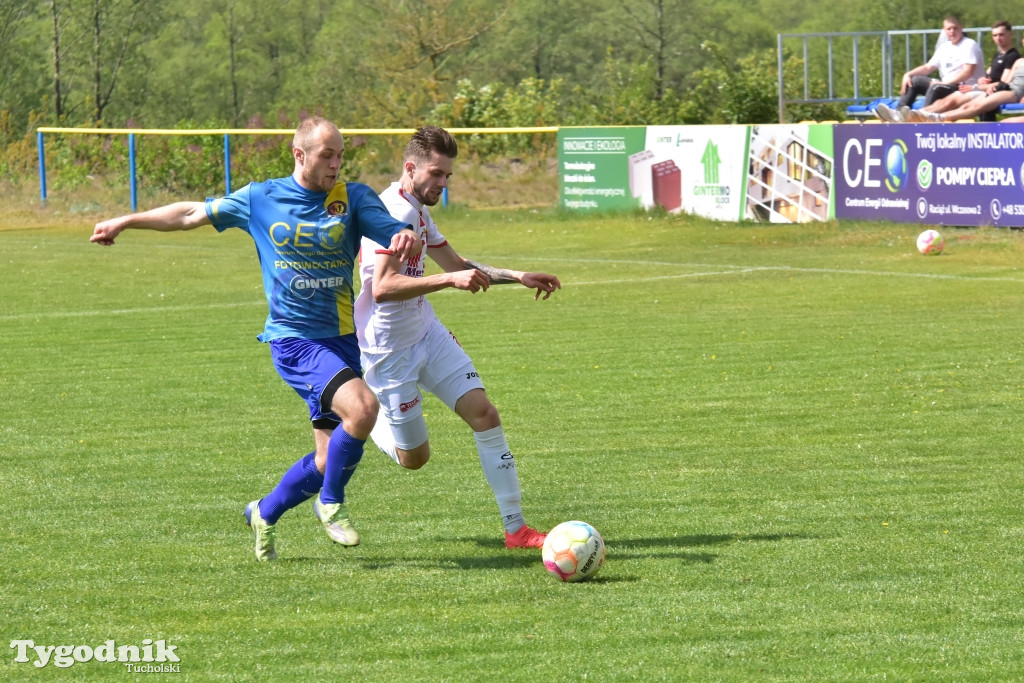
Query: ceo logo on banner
967,175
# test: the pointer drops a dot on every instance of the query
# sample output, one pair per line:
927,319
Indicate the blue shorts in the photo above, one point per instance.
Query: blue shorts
315,369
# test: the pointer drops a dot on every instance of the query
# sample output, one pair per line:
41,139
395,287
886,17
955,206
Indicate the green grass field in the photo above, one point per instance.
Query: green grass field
801,443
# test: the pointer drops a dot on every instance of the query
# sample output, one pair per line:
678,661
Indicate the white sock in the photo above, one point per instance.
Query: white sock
500,471
382,436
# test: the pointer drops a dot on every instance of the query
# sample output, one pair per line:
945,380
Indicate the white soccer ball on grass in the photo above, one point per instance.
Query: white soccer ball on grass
573,551
930,242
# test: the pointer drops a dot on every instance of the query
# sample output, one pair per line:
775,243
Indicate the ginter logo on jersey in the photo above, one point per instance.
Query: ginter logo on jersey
305,287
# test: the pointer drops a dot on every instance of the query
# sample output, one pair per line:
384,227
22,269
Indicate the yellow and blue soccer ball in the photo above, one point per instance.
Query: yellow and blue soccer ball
573,551
930,242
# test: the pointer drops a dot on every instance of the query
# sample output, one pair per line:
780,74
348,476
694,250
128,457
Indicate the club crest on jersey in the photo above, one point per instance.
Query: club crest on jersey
336,203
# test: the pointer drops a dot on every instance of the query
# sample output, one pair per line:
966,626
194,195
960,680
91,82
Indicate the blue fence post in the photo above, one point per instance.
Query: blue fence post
227,164
42,167
131,170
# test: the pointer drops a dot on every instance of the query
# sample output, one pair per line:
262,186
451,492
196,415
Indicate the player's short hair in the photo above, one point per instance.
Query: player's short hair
429,139
305,134
953,19
1003,24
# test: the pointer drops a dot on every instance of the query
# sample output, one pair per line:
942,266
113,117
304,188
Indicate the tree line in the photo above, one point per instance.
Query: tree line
399,63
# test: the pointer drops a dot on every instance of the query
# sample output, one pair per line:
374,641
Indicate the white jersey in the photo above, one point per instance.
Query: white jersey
394,325
950,58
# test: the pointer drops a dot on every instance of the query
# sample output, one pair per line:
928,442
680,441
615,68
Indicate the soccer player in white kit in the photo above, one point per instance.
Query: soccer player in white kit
404,346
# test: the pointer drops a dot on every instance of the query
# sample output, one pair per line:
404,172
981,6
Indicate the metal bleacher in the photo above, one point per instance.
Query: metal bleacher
863,68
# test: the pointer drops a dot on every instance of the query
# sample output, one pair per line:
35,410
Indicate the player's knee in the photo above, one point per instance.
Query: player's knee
478,411
358,410
484,417
416,458
359,423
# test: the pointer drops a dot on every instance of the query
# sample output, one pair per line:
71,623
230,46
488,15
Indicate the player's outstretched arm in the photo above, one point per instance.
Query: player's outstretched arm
446,257
391,284
177,216
542,282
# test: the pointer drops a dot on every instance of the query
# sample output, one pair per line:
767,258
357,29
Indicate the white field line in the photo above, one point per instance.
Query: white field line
738,270
715,270
790,269
133,311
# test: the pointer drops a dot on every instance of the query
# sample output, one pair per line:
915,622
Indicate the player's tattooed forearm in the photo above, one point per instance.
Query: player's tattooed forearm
498,276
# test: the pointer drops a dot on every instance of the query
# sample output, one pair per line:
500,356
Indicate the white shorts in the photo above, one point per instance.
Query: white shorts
436,363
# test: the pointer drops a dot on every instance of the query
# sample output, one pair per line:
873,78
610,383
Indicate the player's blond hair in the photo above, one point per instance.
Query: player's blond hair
305,134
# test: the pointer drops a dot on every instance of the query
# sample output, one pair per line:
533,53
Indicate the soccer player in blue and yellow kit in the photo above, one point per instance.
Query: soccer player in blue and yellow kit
307,229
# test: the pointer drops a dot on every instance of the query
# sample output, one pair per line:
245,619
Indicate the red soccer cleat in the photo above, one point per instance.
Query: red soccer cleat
525,538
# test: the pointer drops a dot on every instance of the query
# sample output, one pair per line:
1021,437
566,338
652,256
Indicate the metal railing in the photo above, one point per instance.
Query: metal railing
838,59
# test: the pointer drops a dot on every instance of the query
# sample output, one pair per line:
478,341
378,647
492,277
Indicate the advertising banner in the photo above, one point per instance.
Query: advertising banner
774,173
933,174
593,165
693,169
789,174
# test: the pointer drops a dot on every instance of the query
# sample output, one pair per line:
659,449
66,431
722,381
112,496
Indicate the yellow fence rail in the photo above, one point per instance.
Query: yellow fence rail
41,132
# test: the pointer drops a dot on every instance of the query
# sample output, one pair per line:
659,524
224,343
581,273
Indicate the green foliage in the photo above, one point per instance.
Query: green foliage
256,158
741,91
18,151
184,165
546,40
23,37
471,106
746,90
531,103
368,65
627,96
397,63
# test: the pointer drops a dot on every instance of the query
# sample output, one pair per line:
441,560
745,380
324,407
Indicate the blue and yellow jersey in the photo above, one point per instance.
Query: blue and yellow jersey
307,243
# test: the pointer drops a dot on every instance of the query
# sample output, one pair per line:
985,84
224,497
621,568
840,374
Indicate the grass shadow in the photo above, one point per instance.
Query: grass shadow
618,549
